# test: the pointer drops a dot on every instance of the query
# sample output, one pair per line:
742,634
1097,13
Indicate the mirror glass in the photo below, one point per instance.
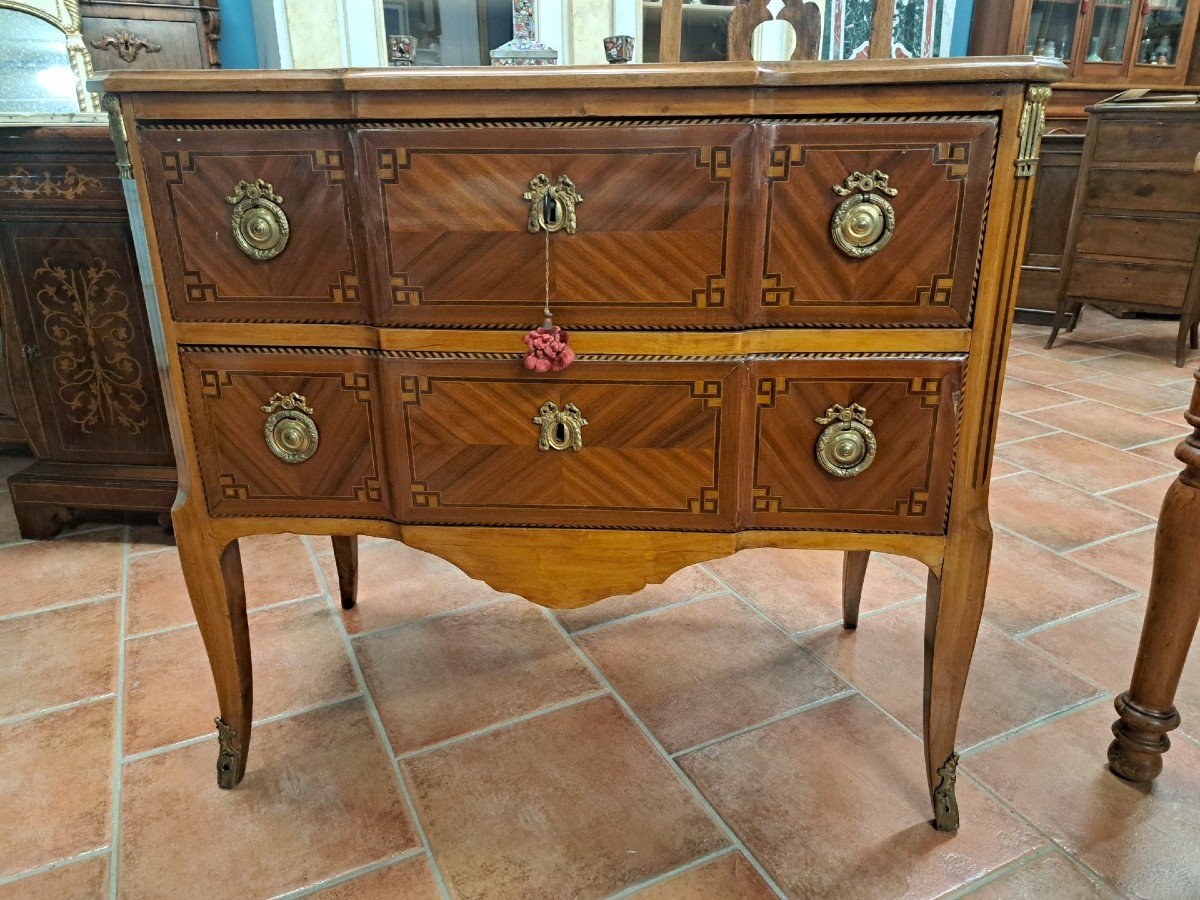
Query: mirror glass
36,76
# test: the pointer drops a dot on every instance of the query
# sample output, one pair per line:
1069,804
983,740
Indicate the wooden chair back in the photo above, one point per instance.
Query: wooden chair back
802,15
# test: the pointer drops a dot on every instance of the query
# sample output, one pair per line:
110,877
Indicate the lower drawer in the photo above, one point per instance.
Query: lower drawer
287,434
846,444
1163,286
811,442
604,444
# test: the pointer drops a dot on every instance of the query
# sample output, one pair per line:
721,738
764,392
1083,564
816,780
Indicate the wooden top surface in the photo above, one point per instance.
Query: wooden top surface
675,75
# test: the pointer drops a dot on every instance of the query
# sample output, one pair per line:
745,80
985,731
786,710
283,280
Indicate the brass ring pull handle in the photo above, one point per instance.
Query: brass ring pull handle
864,222
290,432
562,429
552,206
846,447
259,225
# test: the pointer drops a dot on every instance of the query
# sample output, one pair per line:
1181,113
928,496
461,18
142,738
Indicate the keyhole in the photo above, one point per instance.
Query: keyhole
561,434
549,209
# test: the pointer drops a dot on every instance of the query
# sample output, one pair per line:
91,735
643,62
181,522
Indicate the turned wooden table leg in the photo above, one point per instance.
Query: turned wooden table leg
953,607
345,558
214,580
1147,710
854,573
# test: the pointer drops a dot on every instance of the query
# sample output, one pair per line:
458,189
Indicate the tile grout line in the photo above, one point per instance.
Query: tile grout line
169,629
1050,657
377,722
336,880
6,880
992,741
1035,828
675,768
502,725
667,876
1145,481
51,710
119,714
770,720
870,614
257,723
1072,617
1008,868
1026,727
643,613
1064,554
441,614
58,607
859,691
1166,470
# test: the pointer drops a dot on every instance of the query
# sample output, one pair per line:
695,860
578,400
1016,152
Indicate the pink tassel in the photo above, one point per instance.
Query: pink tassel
548,349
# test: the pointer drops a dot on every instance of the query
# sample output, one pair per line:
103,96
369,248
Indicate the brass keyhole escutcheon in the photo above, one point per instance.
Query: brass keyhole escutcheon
562,429
864,222
259,225
846,447
552,206
290,432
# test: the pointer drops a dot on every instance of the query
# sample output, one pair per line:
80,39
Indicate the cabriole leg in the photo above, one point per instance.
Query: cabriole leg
954,604
1147,710
214,580
345,558
854,573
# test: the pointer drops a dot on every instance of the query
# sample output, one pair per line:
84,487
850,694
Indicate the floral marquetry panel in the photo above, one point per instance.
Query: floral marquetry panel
53,183
871,226
287,433
282,247
626,444
650,238
897,465
81,323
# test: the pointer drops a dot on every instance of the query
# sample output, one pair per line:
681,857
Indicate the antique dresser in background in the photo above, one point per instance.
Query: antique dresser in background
1109,47
78,364
1134,236
788,289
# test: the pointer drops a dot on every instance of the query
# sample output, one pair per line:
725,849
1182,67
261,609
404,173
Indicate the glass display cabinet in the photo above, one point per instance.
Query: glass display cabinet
1122,43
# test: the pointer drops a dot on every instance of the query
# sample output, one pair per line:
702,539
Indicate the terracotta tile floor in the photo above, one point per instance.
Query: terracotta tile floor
716,736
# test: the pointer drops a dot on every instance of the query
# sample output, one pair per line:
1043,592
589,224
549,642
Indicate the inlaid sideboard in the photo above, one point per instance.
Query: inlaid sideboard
787,287
77,349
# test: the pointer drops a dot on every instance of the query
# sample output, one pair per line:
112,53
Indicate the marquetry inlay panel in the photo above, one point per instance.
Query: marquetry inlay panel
925,275
80,326
653,451
317,275
912,405
656,241
226,392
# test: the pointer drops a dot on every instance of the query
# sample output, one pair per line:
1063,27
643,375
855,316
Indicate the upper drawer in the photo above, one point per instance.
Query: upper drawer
844,246
654,232
256,224
1171,139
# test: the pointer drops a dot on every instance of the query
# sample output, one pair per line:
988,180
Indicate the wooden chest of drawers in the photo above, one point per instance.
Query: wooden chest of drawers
1134,237
788,289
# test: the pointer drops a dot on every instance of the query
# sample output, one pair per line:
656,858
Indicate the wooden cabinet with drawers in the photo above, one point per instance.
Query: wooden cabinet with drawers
1134,237
788,290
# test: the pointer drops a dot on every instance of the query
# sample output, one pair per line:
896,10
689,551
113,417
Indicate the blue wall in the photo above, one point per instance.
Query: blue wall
962,27
237,48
